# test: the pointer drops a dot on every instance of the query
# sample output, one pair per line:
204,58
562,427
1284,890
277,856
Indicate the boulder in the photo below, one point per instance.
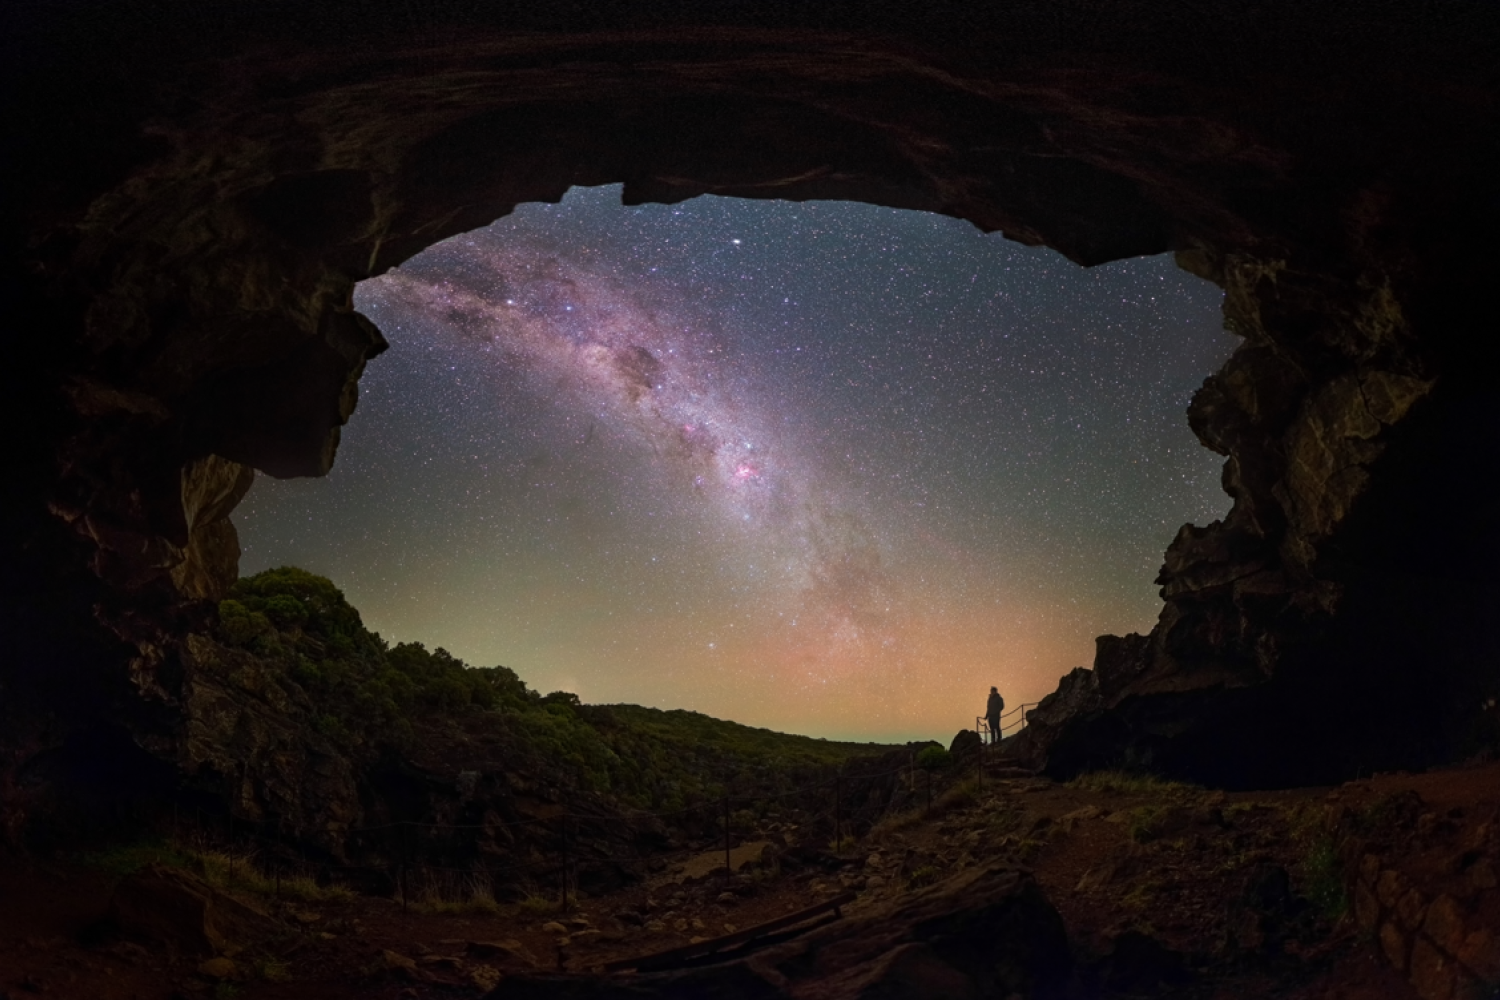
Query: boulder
165,906
170,906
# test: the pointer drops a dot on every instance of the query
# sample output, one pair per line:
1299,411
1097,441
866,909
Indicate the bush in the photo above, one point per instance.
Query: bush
934,758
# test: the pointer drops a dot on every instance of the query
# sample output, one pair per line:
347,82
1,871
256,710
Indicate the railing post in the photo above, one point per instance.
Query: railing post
564,879
728,869
838,804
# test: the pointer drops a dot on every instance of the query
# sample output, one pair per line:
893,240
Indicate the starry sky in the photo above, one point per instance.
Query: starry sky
825,467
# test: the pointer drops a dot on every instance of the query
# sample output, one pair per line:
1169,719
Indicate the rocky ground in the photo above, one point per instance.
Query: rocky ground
1382,888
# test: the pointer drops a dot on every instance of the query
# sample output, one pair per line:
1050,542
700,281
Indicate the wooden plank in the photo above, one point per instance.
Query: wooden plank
662,959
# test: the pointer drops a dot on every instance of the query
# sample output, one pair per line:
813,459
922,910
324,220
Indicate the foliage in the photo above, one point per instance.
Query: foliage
934,758
363,694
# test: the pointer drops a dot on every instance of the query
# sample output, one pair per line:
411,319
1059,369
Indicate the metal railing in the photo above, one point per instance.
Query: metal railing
982,724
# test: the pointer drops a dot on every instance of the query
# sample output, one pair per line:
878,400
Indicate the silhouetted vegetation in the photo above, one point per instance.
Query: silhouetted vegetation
365,694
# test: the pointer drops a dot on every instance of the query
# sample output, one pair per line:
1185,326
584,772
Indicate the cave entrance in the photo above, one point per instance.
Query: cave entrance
826,467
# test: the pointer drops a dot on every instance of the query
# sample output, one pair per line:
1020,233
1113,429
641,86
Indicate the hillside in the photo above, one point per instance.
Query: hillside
369,698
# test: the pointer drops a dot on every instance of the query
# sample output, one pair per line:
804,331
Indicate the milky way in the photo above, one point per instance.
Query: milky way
828,468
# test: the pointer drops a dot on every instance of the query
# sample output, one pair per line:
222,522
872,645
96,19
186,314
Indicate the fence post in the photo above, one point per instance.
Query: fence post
929,791
564,878
728,868
401,835
838,805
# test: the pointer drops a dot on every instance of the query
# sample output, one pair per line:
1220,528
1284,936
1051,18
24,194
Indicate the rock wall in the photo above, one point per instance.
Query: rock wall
195,193
1423,885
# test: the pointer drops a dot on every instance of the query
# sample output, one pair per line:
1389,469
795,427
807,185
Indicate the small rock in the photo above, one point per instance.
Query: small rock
697,924
553,927
729,897
730,928
680,924
874,882
306,917
510,948
396,962
447,962
486,977
1481,952
217,968
587,936
1445,925
655,925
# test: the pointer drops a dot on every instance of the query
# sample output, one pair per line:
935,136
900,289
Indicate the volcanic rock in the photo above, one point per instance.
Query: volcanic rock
986,932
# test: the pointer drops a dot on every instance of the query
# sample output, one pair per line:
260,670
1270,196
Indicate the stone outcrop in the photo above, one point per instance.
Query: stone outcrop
986,933
192,201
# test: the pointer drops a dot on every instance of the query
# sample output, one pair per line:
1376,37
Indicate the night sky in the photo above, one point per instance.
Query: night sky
824,467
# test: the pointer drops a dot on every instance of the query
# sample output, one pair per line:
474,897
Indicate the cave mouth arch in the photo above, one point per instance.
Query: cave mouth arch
198,207
710,454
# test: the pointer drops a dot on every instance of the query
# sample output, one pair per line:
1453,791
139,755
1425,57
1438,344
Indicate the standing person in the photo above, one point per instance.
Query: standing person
992,711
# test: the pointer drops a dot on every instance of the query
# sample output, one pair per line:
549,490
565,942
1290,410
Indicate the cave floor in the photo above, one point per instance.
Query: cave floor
1165,890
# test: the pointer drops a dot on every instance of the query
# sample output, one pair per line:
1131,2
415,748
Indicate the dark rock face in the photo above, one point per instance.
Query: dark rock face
193,200
986,933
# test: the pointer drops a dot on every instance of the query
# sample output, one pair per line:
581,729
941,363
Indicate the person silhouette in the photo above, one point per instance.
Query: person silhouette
992,711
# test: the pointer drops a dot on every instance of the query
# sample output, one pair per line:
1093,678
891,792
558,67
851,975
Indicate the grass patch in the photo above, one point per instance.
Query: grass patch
1144,823
895,823
239,873
457,893
127,859
463,906
964,795
923,876
228,872
843,845
538,905
1130,783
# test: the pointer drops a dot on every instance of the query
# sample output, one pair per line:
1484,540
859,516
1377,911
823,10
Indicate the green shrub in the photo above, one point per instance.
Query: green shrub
934,758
